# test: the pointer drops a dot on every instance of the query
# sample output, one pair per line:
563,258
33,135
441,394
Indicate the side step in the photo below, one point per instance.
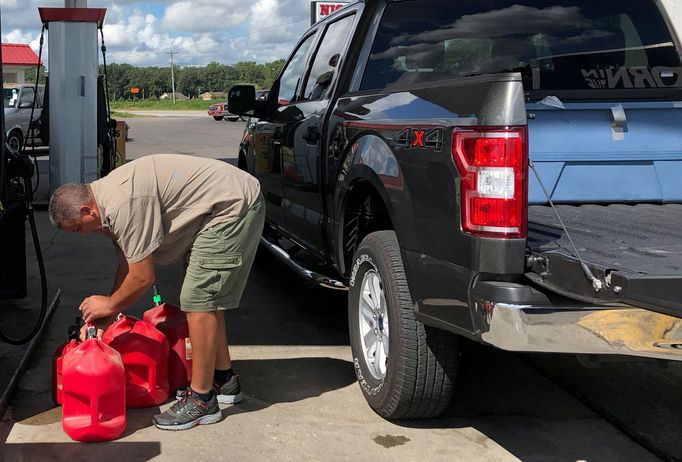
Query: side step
311,276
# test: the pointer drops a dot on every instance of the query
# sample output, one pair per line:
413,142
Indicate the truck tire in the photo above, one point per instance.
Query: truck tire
217,117
405,369
14,141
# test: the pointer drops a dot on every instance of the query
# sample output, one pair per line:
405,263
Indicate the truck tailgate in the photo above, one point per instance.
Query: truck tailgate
635,250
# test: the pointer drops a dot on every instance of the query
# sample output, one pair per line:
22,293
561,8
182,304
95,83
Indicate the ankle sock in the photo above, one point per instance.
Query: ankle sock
222,376
205,397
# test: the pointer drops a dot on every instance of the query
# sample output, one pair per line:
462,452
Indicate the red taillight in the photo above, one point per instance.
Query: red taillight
492,164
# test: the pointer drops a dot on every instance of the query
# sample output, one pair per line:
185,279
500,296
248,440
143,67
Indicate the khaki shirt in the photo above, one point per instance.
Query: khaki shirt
158,204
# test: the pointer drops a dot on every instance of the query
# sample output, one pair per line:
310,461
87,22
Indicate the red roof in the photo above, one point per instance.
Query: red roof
15,54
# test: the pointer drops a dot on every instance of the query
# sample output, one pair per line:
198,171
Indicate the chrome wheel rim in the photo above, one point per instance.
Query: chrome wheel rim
373,322
13,144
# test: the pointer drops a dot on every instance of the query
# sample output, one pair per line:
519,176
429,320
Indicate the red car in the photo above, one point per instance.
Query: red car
219,111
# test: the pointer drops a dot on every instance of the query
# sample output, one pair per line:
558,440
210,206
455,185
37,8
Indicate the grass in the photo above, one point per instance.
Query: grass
162,105
124,115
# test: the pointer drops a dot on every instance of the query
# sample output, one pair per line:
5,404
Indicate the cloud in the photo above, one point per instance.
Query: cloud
201,31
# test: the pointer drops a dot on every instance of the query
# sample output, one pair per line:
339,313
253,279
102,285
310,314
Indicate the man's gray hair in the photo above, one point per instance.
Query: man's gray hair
66,202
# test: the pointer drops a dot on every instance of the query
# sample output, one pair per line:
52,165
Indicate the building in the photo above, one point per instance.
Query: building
209,95
16,58
178,96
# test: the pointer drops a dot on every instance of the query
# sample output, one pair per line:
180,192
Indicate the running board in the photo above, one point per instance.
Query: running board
310,276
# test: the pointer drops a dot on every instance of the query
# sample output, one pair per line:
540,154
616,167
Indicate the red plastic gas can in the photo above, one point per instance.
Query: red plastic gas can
93,392
145,357
57,361
172,322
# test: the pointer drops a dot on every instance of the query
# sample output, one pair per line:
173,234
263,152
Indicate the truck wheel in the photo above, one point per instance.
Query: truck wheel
405,369
217,117
14,141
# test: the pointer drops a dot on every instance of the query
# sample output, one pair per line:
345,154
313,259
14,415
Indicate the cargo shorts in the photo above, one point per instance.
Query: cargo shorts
220,261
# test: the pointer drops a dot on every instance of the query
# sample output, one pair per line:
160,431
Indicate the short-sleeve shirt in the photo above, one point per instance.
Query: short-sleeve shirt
158,204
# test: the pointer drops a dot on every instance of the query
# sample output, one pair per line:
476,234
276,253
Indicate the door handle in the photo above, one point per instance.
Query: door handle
312,135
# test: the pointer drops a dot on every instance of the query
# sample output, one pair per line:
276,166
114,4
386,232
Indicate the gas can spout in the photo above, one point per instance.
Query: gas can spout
92,331
157,296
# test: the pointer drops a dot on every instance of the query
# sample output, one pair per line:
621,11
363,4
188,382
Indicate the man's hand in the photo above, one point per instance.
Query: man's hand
101,324
96,307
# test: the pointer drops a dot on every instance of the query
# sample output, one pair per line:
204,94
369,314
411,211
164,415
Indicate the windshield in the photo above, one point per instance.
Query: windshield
10,97
555,44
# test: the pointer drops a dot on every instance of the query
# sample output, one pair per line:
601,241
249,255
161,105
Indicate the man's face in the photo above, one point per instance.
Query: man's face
89,222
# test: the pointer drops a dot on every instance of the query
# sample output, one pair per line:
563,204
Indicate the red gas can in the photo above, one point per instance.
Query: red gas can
57,361
145,357
93,392
172,322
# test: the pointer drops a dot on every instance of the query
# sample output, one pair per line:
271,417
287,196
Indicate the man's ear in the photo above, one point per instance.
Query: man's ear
86,210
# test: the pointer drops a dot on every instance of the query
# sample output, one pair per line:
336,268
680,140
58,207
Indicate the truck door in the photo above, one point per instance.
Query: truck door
301,126
268,135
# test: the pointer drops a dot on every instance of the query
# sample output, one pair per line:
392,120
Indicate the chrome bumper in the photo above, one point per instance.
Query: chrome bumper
593,330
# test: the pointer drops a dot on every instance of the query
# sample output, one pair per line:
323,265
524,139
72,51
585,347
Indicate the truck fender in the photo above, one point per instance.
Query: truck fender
368,159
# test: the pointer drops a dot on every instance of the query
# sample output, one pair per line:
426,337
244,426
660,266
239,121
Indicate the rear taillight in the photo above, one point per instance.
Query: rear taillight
493,165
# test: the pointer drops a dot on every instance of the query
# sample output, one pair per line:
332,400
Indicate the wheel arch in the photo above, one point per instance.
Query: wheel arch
371,196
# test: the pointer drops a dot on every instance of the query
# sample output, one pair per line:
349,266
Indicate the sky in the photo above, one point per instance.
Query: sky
142,33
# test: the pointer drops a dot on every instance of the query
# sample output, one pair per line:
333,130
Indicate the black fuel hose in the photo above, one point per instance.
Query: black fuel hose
41,267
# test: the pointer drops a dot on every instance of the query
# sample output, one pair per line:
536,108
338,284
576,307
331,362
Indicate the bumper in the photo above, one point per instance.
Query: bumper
583,330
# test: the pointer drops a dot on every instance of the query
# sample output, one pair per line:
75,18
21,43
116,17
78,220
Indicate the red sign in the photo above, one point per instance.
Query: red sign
134,90
321,9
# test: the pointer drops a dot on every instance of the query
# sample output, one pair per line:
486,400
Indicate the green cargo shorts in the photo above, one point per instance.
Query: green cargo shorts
220,261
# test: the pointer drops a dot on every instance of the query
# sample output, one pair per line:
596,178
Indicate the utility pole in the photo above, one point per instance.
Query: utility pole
171,53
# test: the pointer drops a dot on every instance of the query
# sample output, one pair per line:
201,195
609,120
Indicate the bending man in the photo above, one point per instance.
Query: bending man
170,208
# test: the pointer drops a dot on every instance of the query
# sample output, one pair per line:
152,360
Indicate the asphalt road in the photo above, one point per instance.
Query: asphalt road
290,345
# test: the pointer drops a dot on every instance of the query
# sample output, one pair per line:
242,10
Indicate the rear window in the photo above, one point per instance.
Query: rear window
555,44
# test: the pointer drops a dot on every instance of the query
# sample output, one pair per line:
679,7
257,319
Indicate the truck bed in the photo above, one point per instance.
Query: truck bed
640,238
634,251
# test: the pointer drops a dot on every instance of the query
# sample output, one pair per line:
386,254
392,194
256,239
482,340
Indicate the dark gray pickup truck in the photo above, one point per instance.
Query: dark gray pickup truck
508,171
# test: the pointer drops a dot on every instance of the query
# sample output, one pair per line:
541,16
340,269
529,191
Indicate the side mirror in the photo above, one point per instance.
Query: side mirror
241,99
25,104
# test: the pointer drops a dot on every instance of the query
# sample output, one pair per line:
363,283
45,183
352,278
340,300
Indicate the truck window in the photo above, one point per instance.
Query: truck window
10,97
327,58
26,96
293,73
554,44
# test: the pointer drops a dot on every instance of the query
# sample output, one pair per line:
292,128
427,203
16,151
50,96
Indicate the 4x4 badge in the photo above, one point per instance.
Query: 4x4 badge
421,138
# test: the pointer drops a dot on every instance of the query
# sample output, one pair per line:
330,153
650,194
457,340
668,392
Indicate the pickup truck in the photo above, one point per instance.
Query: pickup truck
17,102
506,171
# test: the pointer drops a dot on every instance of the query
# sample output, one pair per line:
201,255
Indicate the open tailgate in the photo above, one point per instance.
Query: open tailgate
634,251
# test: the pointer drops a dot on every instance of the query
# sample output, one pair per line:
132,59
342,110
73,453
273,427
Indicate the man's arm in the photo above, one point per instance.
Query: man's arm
121,269
139,277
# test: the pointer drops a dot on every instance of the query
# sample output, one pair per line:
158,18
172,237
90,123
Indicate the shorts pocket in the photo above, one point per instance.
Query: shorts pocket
214,262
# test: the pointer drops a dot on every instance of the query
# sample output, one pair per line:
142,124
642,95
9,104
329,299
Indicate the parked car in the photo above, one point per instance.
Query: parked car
219,111
395,155
17,102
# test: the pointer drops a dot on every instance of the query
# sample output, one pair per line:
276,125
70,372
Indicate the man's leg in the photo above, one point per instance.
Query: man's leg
222,360
205,334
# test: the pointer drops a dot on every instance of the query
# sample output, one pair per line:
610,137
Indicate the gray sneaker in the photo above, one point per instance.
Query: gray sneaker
229,392
188,412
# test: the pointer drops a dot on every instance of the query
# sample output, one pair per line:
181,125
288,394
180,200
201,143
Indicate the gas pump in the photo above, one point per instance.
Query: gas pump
16,204
75,121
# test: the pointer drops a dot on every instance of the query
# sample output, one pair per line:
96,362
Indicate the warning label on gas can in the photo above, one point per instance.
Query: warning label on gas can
188,349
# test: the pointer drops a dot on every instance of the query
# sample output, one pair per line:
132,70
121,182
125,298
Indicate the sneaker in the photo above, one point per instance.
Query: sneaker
189,412
229,392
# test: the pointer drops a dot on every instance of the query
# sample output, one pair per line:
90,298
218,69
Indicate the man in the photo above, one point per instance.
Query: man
167,208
